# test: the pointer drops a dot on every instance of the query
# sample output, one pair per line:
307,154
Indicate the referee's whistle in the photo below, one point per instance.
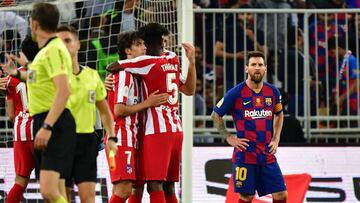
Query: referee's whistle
112,162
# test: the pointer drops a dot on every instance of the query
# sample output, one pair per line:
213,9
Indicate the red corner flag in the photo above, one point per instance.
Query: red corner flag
296,184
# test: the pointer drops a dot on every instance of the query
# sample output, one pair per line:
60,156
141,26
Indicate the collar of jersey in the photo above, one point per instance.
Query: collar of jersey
49,40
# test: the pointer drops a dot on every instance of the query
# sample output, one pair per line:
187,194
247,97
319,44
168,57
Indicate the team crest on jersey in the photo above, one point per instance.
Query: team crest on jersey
92,96
268,101
129,169
238,184
220,103
31,76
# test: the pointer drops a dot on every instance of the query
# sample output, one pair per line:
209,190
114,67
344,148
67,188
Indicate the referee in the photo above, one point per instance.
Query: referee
89,93
49,90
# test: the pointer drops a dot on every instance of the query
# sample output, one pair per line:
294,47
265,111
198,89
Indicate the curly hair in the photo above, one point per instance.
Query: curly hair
152,34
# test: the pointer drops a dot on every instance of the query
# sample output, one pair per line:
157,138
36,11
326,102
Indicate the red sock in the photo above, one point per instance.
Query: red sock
157,197
243,201
117,199
171,199
15,194
134,199
279,201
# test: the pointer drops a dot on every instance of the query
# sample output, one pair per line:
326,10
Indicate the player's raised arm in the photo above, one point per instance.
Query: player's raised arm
11,69
190,85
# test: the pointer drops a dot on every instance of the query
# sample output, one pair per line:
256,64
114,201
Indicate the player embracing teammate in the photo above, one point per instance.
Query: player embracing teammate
159,73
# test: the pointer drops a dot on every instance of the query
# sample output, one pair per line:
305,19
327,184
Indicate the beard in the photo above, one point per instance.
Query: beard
256,77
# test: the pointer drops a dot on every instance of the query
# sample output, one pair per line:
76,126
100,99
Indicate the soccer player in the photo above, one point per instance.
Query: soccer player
17,107
163,130
127,105
257,113
89,94
49,91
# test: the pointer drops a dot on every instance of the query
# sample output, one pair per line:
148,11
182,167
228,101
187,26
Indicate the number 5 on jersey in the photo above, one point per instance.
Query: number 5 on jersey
172,86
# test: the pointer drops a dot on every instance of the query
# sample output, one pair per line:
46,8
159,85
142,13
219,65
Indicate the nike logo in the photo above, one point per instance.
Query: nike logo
246,103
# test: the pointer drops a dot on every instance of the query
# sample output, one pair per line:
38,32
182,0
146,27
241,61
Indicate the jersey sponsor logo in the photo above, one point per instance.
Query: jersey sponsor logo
268,101
258,101
92,96
220,103
246,103
31,76
255,114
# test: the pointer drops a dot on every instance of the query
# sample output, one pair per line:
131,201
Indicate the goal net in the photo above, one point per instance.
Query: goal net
163,12
97,23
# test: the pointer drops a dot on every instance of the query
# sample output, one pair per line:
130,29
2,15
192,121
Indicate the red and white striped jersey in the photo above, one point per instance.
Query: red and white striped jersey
159,73
127,92
17,92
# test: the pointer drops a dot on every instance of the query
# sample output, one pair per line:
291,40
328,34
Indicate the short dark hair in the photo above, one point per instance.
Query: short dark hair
253,54
125,40
292,34
29,48
47,15
340,43
68,28
152,34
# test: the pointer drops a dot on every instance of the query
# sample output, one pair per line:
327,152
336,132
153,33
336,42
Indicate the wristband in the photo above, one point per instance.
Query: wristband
115,139
47,126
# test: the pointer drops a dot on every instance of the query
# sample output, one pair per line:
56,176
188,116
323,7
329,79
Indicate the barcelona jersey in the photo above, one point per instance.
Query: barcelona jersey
253,114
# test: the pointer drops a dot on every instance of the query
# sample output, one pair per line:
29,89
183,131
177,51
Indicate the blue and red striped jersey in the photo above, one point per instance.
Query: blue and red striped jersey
253,114
319,35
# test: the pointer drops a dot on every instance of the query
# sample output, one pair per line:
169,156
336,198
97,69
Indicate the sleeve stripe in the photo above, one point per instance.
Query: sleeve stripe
123,87
171,55
141,71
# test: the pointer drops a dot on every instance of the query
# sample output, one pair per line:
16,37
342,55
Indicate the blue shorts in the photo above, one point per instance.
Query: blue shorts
265,179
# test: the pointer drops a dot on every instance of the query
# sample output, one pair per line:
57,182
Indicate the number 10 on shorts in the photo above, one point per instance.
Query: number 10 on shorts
241,173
